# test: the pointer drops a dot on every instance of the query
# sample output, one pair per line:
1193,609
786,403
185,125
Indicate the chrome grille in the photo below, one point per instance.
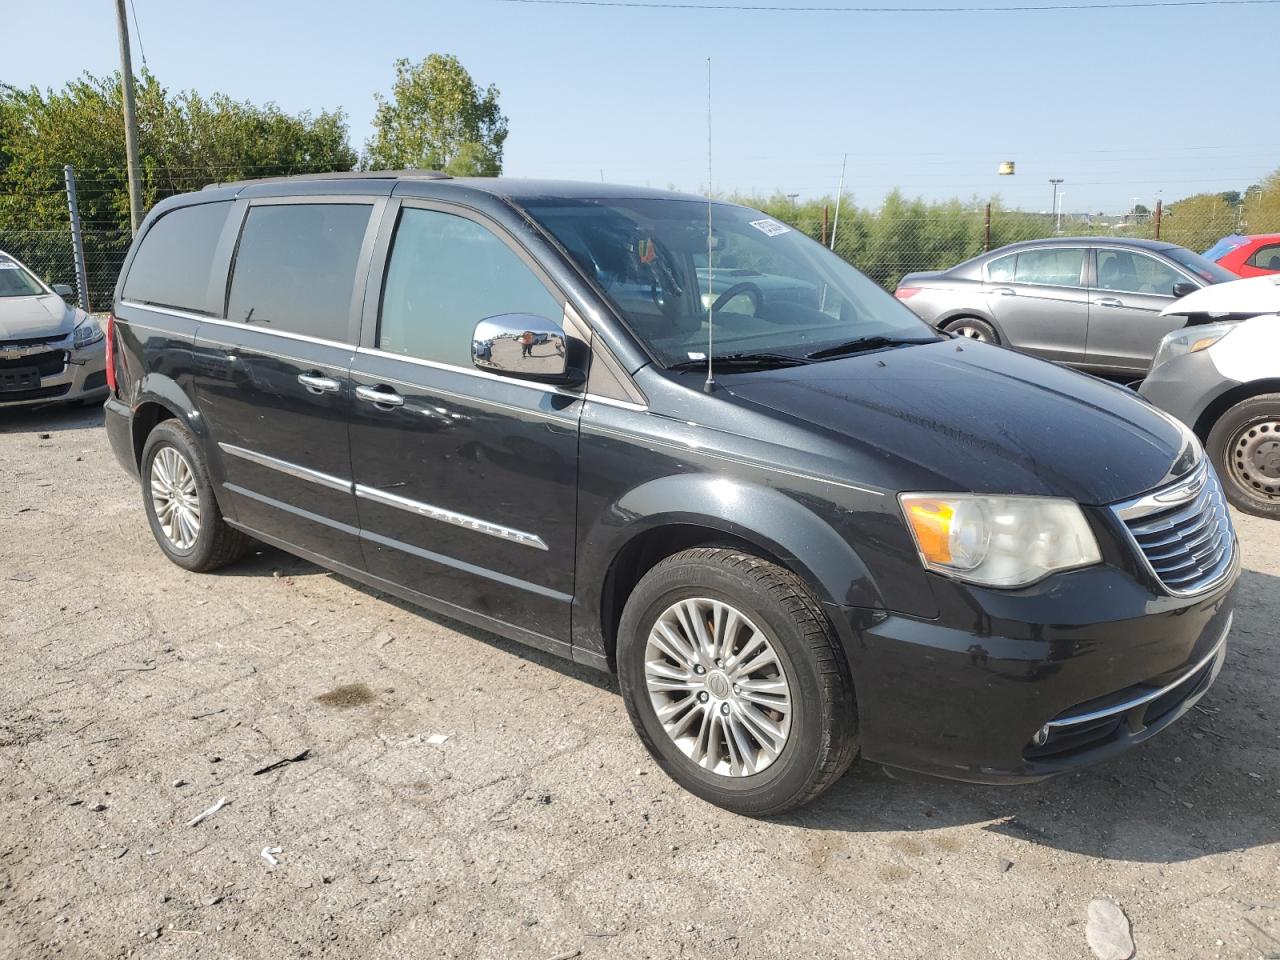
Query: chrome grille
1184,532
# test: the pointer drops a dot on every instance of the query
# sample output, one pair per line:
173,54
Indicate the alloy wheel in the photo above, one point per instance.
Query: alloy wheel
718,687
175,498
970,331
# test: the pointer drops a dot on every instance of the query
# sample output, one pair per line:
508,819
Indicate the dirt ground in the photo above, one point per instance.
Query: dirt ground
135,695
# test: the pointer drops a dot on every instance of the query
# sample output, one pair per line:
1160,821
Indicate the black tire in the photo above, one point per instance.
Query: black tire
981,330
822,740
1244,446
216,543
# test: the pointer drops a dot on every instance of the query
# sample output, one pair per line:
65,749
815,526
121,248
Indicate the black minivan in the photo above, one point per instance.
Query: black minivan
678,440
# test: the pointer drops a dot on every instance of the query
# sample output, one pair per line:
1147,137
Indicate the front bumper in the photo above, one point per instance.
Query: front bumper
1185,386
79,375
967,701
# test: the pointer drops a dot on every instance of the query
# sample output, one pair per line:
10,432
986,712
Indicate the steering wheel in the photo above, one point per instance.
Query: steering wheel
750,290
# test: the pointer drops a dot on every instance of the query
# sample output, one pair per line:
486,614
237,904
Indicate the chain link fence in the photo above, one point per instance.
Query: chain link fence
885,244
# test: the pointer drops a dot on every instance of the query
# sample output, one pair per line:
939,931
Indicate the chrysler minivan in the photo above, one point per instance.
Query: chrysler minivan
678,441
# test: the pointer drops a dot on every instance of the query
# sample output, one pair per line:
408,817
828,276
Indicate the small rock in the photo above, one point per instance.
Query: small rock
544,798
1006,865
46,436
528,922
179,783
155,934
212,901
74,803
119,853
1108,932
98,807
215,759
1255,776
60,919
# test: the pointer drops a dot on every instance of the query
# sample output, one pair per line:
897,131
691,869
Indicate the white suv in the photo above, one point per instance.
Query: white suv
1220,375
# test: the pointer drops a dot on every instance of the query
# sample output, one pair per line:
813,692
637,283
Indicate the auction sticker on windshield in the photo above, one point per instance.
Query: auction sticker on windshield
770,228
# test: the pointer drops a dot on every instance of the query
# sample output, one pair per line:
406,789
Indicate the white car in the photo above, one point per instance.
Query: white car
1220,375
50,352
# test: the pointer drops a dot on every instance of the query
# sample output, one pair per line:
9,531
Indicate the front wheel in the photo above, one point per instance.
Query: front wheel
973,329
735,683
1245,448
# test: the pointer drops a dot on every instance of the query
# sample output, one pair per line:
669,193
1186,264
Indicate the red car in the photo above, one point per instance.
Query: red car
1254,256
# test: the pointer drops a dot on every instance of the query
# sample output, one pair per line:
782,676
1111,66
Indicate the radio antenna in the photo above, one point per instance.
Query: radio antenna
710,385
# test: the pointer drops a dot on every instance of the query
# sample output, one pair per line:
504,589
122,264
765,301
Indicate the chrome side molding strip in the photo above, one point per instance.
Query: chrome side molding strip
284,466
449,516
1219,648
388,499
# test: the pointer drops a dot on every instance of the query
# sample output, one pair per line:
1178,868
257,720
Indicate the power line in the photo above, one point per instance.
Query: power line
773,8
138,30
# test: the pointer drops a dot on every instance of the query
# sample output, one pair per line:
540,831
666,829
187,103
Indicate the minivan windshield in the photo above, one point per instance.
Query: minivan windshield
778,297
16,282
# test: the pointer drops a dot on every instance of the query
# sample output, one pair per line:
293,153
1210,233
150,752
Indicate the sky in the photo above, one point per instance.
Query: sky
1124,105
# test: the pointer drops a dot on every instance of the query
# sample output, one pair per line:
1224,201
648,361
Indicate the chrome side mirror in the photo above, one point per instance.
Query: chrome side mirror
523,345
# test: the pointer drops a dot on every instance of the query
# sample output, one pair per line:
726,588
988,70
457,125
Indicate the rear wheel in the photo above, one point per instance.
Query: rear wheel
973,329
734,681
1245,447
180,505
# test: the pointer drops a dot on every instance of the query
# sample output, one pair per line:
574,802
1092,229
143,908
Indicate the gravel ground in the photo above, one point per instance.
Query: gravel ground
136,695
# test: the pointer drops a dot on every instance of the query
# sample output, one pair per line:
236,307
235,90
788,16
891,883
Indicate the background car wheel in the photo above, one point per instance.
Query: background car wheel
1245,448
735,682
180,505
974,329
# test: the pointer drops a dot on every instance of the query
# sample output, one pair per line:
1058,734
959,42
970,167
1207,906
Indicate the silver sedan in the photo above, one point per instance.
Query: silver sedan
50,351
1090,302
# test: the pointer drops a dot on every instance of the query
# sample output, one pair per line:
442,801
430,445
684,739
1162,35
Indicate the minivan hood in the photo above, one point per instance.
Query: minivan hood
970,416
25,317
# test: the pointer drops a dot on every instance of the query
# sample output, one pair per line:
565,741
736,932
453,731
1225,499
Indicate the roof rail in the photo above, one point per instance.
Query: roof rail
341,175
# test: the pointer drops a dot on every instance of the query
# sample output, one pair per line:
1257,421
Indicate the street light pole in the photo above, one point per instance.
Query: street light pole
1055,181
130,118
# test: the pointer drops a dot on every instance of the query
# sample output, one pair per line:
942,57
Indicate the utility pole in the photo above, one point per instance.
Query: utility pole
1054,211
130,118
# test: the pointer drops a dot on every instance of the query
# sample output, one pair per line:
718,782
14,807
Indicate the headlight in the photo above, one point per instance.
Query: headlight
87,333
999,541
1190,340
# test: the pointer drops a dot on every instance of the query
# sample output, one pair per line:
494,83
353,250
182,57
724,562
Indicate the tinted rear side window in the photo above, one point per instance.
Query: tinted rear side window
295,268
171,268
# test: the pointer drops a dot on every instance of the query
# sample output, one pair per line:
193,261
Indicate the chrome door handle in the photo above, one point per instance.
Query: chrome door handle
1005,291
318,383
1107,302
382,396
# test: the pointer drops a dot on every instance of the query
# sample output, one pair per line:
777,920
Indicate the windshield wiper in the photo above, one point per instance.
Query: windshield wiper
864,343
760,361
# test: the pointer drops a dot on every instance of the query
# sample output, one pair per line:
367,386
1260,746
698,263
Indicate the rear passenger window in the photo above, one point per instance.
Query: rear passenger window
1001,269
445,275
1059,268
295,268
1268,257
171,267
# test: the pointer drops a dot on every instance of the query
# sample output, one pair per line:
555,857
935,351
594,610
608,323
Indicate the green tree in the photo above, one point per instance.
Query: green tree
185,142
437,119
1199,221
1262,206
